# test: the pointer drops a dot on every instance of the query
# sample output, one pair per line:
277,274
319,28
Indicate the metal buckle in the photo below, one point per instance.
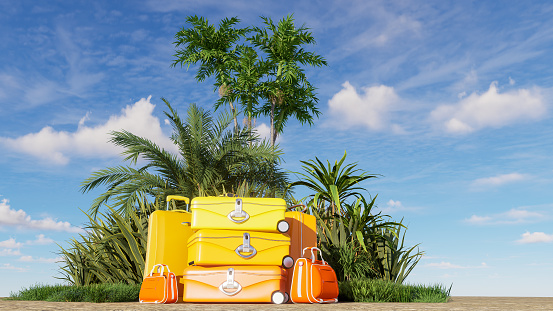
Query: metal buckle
230,284
246,248
238,213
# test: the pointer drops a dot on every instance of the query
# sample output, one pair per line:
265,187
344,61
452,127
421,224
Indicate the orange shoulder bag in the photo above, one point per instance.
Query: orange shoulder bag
159,286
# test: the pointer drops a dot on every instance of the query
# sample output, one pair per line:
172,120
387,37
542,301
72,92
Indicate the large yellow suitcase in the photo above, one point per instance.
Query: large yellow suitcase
245,214
248,284
168,232
209,247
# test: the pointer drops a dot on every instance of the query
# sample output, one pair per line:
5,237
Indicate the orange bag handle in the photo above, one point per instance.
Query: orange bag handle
162,269
297,205
313,254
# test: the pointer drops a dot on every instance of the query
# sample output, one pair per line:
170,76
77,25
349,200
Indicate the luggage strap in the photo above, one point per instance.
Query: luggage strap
238,213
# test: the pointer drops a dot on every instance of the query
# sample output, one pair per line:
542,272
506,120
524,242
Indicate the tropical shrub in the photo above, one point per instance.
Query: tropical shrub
356,242
112,250
211,160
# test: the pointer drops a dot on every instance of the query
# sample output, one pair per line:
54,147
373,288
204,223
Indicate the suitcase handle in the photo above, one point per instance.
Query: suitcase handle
176,198
298,205
238,213
230,284
313,254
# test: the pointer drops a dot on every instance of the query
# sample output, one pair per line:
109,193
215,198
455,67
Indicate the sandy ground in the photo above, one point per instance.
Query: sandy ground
456,303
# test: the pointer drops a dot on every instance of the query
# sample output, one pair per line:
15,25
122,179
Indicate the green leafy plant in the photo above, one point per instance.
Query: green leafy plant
210,160
111,251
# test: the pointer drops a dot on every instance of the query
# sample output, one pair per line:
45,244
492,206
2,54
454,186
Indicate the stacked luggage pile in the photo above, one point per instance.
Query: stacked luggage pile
230,249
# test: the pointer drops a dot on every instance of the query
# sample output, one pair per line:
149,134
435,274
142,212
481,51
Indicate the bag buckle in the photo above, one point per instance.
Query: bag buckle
230,284
246,248
238,213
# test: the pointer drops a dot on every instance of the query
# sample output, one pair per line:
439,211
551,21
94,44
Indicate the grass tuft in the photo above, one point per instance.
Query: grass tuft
371,290
107,292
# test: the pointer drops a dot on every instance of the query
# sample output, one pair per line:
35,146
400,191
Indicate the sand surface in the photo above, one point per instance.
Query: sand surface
456,303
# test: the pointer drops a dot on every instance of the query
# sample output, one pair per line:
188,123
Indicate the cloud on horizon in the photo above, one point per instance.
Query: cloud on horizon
58,147
490,109
21,220
513,216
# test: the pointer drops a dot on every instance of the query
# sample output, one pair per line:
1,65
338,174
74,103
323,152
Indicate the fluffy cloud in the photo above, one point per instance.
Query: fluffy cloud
499,180
370,108
10,243
536,237
491,109
19,219
58,146
513,216
40,259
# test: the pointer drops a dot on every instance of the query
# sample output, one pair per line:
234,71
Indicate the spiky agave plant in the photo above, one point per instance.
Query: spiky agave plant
111,251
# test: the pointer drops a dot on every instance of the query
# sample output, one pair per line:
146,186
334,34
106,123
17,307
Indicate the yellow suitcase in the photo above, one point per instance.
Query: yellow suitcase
245,214
209,247
168,232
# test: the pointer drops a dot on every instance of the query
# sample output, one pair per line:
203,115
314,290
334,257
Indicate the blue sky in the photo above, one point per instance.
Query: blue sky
448,100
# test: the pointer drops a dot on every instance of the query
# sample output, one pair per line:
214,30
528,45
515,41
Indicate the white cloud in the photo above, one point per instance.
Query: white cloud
40,259
19,219
8,266
370,108
491,109
58,146
264,131
449,265
513,216
41,239
10,243
536,237
499,179
9,252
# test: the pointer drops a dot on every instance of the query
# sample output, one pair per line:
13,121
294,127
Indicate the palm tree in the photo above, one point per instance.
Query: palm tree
216,49
287,84
211,160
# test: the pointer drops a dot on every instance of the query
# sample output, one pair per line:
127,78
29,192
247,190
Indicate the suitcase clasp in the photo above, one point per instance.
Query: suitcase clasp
238,213
246,248
230,284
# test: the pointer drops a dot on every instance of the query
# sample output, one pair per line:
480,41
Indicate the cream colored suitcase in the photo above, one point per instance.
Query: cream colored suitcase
249,284
209,247
245,214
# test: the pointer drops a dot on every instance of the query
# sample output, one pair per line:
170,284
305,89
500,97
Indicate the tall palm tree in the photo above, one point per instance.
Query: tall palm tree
210,161
287,84
215,48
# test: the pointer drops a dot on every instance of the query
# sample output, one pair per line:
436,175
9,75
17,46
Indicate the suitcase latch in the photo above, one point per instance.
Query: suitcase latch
245,250
238,213
230,284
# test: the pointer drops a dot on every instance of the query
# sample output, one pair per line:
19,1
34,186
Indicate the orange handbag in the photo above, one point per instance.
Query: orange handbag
313,281
159,286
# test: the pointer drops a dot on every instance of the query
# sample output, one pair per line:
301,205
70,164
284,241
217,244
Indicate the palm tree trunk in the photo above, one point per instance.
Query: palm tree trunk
273,131
234,117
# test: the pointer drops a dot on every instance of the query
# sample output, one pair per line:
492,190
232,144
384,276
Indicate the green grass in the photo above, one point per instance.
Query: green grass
367,290
89,293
